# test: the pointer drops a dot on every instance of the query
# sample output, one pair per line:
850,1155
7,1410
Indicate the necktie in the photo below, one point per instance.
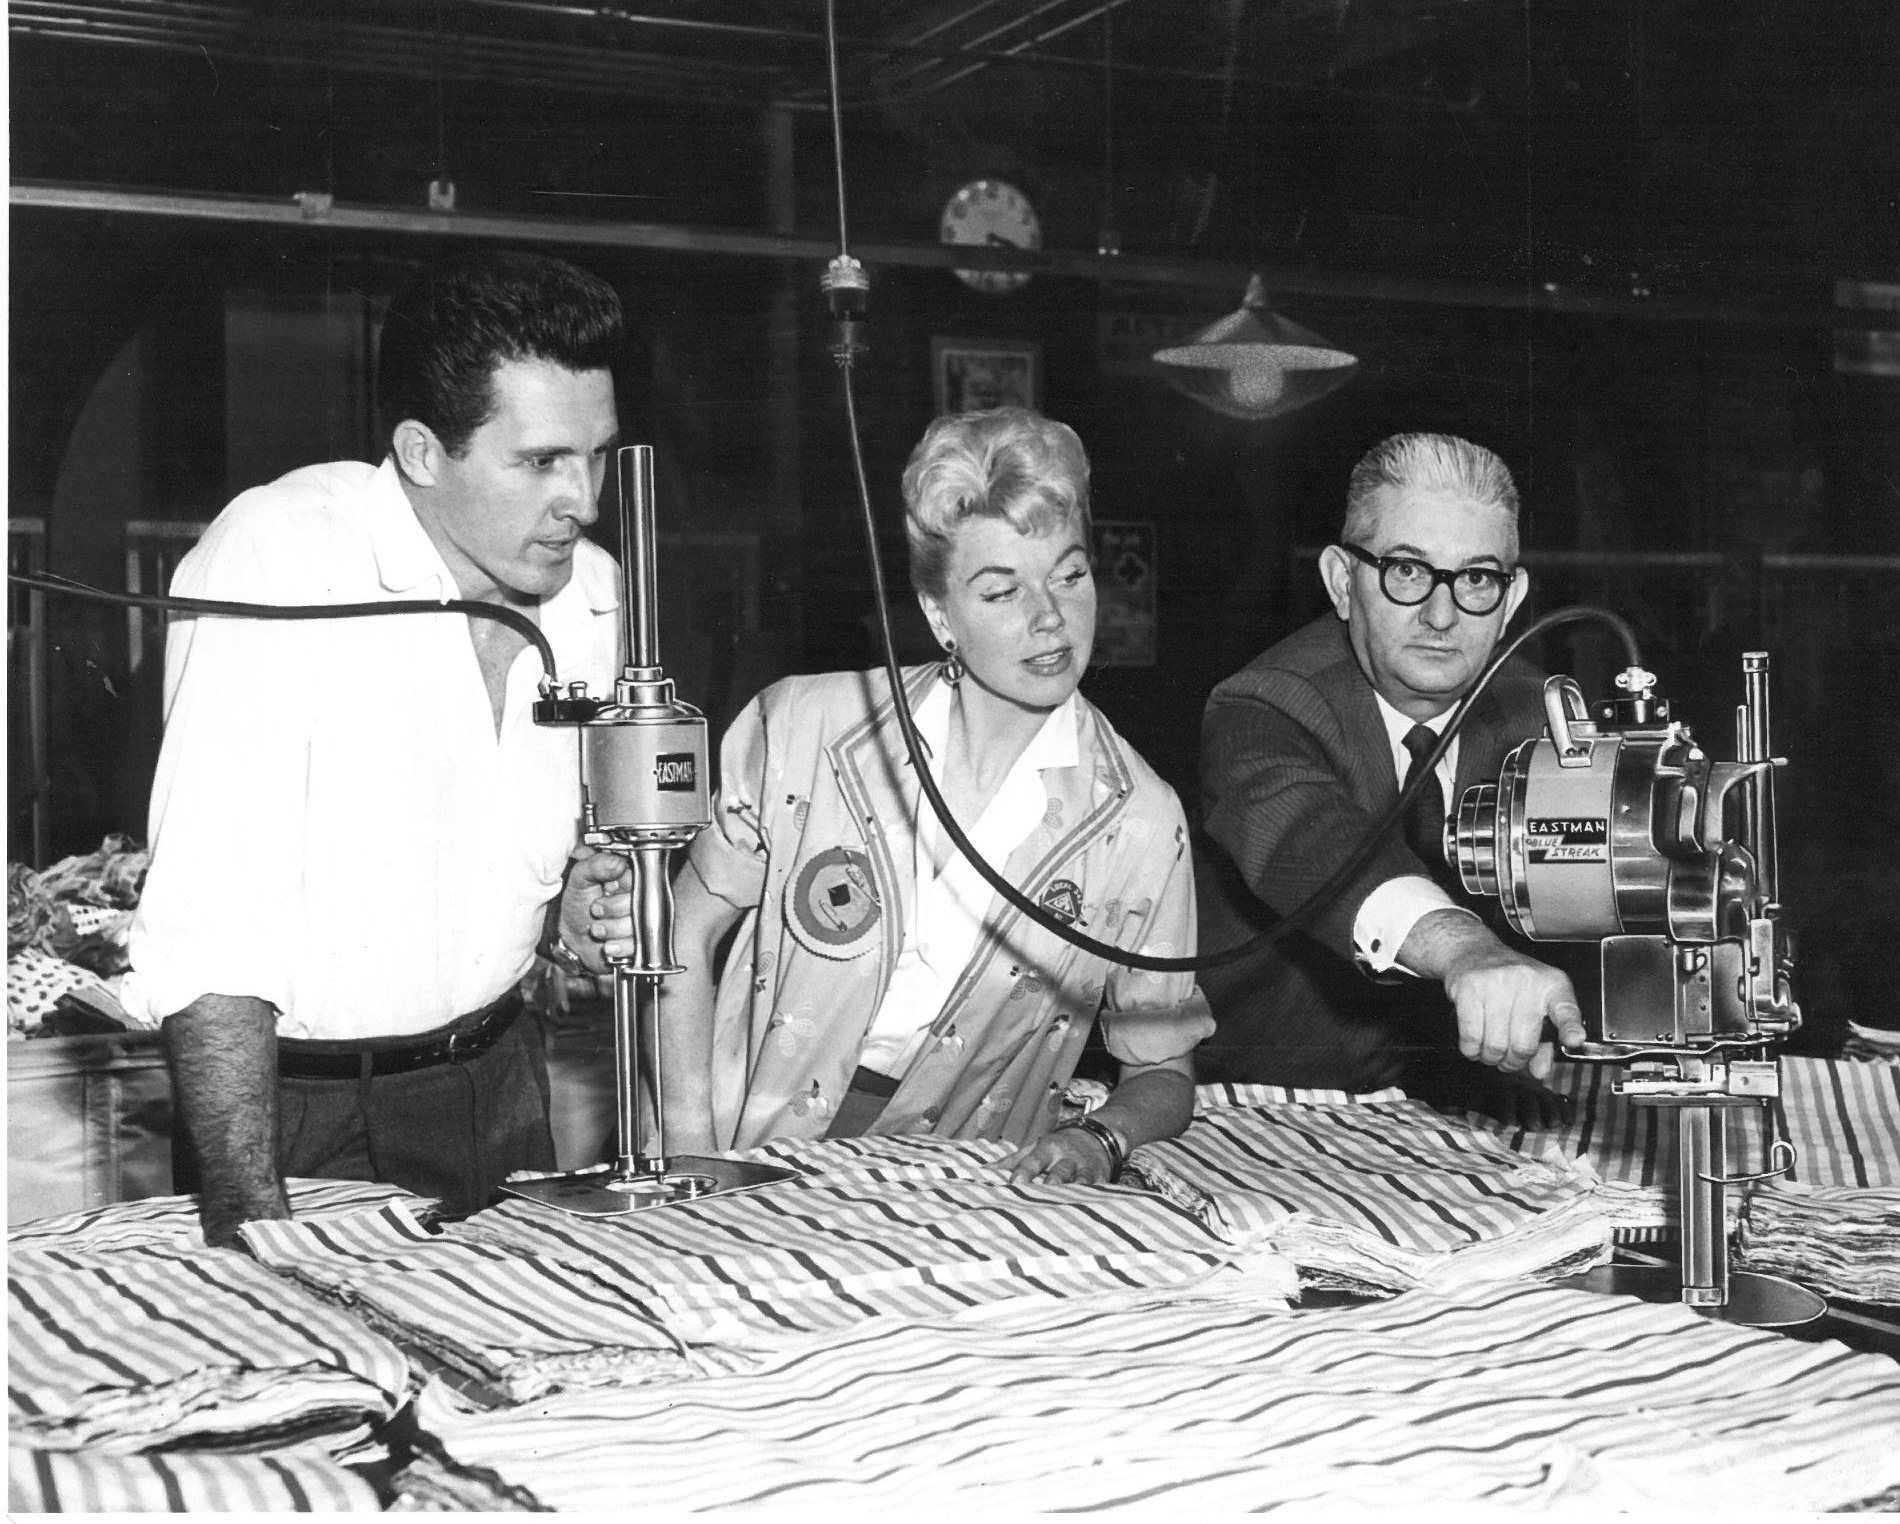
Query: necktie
1425,815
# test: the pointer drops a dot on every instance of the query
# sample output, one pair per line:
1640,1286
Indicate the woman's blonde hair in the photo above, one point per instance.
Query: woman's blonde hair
1008,463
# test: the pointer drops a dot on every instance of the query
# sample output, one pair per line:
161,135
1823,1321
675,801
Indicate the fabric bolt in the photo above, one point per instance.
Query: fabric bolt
882,1226
48,1481
1498,1396
1380,1195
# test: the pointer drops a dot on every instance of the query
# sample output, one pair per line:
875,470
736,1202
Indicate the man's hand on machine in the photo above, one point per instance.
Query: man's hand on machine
596,918
1503,998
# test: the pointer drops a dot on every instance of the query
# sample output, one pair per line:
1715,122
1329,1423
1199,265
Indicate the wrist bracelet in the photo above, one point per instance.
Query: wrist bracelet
1105,1135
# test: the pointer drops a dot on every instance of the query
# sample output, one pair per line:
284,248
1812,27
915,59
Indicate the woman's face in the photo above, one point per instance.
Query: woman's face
1021,609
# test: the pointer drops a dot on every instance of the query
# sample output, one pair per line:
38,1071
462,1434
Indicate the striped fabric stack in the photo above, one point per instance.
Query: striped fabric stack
1841,1240
1512,1395
515,1323
1842,1117
127,1337
883,1227
47,1481
1376,1195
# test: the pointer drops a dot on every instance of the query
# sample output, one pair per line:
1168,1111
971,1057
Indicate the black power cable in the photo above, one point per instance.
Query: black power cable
514,619
848,310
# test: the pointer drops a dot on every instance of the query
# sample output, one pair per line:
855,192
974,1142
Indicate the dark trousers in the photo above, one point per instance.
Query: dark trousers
453,1131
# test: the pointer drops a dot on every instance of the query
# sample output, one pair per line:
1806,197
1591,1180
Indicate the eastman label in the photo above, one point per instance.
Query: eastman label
1571,839
674,772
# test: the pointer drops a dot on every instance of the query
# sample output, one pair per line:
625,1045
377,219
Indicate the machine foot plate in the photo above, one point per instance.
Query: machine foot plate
1754,1300
603,1192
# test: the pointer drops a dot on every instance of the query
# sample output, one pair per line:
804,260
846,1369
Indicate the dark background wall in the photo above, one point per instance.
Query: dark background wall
1602,238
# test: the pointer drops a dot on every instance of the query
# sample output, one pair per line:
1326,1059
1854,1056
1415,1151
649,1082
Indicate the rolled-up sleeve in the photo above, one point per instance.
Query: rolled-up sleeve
216,914
731,857
1149,1017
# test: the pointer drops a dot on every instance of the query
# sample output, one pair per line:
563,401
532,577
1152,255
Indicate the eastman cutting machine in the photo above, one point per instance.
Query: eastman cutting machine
1616,827
644,793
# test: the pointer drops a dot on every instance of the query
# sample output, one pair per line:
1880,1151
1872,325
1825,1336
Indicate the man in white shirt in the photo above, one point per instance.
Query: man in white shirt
1307,745
359,836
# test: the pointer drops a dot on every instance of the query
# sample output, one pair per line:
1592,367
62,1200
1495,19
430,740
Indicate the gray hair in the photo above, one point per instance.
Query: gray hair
1431,463
1008,463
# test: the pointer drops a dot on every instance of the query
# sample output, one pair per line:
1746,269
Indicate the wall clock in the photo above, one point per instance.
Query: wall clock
991,213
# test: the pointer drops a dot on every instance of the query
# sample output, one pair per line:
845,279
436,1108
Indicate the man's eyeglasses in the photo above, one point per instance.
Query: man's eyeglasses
1407,581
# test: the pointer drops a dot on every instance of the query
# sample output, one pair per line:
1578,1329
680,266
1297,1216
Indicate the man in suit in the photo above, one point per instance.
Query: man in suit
1305,747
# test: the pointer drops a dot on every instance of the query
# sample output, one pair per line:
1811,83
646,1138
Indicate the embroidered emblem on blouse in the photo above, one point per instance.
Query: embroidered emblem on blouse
812,1103
1063,900
832,905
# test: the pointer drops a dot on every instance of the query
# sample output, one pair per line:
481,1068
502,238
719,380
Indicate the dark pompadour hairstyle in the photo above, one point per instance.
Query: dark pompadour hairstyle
446,333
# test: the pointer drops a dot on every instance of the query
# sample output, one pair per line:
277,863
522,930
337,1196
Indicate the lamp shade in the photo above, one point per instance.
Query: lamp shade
1255,364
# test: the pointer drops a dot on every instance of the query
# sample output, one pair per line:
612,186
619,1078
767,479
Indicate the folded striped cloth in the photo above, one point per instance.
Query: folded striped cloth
47,1481
1842,1117
910,1226
1841,1240
1512,1395
511,1320
1376,1195
148,1347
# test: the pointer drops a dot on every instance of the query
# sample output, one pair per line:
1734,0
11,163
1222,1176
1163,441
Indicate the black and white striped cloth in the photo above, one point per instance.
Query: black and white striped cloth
879,1227
1512,1395
49,1481
1377,1193
125,1334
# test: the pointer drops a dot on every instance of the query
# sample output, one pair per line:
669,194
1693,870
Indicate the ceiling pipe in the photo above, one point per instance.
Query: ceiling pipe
318,213
230,31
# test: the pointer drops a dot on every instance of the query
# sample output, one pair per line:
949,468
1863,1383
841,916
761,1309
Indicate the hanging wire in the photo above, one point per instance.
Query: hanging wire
846,352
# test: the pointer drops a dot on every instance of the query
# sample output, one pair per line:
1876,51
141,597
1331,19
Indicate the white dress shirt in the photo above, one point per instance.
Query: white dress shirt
947,908
337,827
1388,914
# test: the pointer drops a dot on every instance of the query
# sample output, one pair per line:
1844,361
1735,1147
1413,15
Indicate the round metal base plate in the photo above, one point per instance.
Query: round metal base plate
1754,1300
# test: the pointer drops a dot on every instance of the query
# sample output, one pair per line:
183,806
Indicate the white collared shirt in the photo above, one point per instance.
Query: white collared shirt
337,827
1388,914
947,908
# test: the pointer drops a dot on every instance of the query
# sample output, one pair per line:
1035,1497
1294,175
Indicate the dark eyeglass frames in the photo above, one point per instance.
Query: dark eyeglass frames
1408,581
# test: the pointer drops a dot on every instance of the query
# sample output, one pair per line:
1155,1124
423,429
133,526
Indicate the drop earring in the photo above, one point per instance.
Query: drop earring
952,664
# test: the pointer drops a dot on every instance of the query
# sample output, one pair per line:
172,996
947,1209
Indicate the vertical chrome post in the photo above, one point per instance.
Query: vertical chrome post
1752,745
640,616
1702,1159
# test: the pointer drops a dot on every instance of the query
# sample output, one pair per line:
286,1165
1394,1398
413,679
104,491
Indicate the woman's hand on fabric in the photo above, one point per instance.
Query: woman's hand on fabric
1065,1157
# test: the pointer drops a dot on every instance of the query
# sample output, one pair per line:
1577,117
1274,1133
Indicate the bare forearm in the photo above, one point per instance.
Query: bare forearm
1150,1103
223,1053
1436,943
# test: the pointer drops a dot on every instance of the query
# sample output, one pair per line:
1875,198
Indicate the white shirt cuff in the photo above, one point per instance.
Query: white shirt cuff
1388,914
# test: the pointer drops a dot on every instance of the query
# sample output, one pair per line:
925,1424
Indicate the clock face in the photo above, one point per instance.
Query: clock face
991,213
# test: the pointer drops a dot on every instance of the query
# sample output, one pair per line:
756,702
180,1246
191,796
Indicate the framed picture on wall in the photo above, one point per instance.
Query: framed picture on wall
980,373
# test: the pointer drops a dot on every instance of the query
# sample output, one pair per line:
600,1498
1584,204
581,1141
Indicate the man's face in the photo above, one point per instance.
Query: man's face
507,515
1422,658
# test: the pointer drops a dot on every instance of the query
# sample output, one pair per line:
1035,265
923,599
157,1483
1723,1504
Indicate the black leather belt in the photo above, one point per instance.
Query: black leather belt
460,1040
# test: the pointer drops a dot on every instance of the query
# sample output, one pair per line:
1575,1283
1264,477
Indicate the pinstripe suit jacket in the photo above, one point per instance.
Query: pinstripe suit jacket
1295,764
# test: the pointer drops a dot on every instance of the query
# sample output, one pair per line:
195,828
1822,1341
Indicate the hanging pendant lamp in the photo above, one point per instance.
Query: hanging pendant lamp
1254,364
